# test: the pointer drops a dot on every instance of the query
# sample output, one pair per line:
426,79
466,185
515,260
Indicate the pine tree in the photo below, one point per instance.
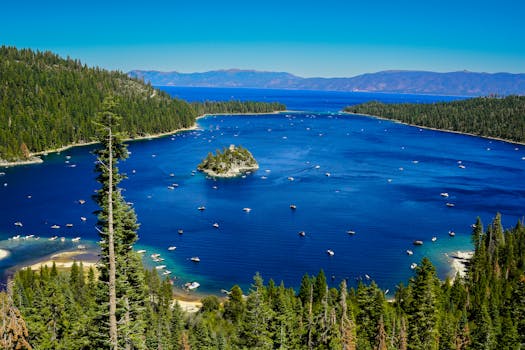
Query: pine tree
121,271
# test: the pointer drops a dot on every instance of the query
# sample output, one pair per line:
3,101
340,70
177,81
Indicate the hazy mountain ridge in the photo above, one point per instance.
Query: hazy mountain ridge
421,82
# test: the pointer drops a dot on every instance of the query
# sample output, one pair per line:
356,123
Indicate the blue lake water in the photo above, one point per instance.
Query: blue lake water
385,183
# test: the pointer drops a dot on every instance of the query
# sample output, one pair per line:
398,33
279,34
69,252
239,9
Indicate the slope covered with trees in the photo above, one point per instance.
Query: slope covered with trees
48,102
484,116
214,107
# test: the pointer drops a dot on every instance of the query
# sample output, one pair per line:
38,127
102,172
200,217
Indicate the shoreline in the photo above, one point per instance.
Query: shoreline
64,260
458,261
436,129
35,159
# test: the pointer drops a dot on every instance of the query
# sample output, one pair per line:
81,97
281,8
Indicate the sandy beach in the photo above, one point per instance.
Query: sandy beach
458,262
4,253
64,260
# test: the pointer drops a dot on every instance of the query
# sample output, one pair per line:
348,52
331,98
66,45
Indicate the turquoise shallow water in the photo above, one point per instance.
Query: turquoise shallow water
385,183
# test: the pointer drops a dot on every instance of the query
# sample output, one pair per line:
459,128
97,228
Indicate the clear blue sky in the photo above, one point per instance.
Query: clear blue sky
308,38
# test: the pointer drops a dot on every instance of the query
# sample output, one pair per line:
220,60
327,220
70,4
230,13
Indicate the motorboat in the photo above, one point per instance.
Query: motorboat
409,252
302,233
418,242
192,285
195,259
330,252
172,247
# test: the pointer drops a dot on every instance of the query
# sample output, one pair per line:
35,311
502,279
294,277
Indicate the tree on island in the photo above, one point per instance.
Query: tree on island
232,161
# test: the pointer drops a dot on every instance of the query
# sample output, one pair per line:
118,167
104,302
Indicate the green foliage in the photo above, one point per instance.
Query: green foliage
484,116
214,107
47,102
233,158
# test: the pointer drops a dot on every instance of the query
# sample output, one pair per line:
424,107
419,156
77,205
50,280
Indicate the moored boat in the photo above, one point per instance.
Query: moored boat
418,242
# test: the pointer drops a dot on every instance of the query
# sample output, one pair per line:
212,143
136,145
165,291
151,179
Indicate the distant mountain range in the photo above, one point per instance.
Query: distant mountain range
462,83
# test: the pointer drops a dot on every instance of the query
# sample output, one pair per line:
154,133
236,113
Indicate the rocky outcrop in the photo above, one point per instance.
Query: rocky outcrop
231,162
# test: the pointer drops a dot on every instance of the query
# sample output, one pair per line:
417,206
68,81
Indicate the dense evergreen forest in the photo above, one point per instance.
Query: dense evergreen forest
214,107
483,116
484,310
47,102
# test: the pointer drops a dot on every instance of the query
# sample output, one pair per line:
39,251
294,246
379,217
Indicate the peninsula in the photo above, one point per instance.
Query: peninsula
232,162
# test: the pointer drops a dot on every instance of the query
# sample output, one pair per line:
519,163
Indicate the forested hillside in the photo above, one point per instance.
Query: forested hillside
48,102
211,107
484,116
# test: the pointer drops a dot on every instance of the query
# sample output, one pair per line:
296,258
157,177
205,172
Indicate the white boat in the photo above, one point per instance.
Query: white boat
69,225
160,267
444,194
216,225
53,238
141,251
409,252
434,239
81,201
76,239
302,233
330,252
413,266
201,208
172,248
195,259
62,239
418,242
171,188
83,218
461,166
180,231
19,224
317,166
328,174
451,233
55,227
17,237
450,205
192,285
247,209
367,276
167,272
293,206
154,256
29,236
290,178
350,232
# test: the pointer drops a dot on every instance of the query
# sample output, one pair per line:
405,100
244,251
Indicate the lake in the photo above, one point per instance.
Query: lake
380,179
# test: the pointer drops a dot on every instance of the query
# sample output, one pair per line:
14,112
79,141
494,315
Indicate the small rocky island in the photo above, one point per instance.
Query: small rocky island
231,162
